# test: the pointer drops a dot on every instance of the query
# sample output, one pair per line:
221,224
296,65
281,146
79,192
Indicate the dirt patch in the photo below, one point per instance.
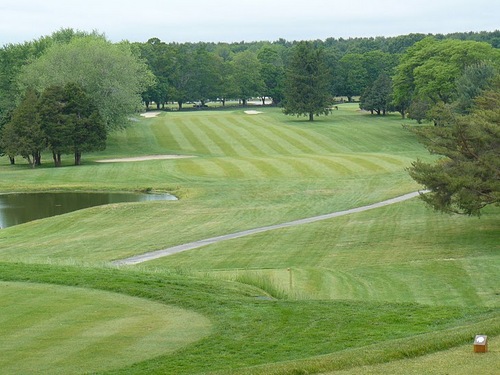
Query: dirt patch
144,158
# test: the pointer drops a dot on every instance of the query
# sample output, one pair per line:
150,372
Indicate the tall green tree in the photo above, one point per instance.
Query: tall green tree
71,122
111,73
471,83
467,177
207,75
54,122
307,83
272,71
377,97
351,76
89,128
23,135
160,59
182,76
247,77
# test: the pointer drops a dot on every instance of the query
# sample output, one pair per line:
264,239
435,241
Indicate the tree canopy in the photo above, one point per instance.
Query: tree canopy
429,70
467,177
377,97
23,134
113,75
307,83
71,122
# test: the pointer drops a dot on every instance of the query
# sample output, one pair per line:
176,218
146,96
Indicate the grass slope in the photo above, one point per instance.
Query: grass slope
67,330
388,284
250,331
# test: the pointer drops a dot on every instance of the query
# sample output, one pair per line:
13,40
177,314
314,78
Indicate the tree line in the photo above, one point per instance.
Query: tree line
202,72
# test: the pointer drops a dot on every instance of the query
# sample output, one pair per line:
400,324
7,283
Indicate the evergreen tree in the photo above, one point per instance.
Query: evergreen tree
23,135
467,178
307,83
71,122
54,122
89,128
377,97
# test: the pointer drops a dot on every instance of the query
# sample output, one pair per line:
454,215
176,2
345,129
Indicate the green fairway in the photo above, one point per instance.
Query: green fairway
246,179
369,288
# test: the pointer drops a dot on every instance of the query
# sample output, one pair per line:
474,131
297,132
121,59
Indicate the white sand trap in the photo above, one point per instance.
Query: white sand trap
144,158
150,114
252,112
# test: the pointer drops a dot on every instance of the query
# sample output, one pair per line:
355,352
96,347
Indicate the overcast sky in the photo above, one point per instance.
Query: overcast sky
244,20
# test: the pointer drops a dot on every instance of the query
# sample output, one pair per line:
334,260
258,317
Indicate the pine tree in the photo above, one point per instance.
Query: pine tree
467,178
23,135
307,83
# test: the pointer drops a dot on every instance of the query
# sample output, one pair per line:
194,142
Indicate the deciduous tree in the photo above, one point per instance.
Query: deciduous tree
110,73
429,70
247,78
351,76
272,72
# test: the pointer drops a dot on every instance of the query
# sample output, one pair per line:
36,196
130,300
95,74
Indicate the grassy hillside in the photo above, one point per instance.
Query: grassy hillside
374,287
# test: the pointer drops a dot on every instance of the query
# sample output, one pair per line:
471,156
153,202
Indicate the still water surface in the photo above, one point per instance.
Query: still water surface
18,208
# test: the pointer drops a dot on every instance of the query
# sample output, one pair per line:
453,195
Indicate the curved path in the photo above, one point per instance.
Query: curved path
196,244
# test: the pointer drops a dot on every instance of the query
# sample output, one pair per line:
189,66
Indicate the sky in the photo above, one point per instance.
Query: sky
244,20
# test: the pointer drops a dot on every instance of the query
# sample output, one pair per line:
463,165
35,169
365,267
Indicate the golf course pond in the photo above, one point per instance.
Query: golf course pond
18,208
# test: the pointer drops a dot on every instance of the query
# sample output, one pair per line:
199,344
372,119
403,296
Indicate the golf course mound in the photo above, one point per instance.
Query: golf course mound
69,330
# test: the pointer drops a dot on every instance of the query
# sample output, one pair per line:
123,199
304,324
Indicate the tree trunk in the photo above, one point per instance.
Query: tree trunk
12,160
30,162
57,158
37,158
78,158
263,100
180,105
311,116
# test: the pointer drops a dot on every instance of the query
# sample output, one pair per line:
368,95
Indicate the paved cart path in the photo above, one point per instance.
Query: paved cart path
196,244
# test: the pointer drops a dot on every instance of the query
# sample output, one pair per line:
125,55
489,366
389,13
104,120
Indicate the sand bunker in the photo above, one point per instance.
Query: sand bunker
150,114
144,158
252,112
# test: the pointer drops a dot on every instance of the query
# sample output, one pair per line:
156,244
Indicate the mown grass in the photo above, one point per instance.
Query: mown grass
219,193
403,252
464,359
66,330
369,288
250,331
